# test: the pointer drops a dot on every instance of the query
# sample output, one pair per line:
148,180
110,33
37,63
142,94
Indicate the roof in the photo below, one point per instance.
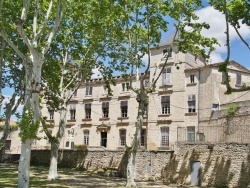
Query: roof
170,39
12,122
232,62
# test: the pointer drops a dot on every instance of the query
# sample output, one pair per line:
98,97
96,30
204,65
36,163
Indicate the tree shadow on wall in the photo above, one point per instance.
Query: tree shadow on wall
122,168
171,174
244,179
220,176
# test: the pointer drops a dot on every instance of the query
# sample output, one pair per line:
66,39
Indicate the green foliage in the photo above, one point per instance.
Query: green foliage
28,128
80,146
231,109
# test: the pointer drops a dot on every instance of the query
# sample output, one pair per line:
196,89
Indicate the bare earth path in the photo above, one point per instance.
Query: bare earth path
69,178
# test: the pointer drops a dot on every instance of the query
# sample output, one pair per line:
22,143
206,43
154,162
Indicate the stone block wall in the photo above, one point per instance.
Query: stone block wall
222,165
149,164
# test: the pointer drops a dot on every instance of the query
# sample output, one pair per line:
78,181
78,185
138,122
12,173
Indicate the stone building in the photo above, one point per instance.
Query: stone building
184,98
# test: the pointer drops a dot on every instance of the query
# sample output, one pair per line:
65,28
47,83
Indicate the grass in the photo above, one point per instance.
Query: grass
68,177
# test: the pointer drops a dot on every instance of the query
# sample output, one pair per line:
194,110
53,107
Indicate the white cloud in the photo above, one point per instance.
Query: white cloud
96,74
216,20
145,59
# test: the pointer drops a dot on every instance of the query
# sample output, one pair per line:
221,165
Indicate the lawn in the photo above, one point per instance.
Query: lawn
69,177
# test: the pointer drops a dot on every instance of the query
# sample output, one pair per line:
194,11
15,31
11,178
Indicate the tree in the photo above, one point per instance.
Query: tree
141,29
237,13
37,26
80,42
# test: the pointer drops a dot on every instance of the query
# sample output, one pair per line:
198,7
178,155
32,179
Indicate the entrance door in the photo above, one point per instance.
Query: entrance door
104,139
195,168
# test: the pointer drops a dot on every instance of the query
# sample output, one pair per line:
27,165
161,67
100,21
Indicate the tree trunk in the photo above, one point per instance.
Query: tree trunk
33,81
142,100
24,165
53,161
131,170
55,145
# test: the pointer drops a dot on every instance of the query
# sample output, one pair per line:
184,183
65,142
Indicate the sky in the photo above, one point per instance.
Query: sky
239,52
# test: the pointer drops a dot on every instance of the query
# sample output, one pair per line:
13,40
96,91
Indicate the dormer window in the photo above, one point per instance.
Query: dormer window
238,79
125,86
167,52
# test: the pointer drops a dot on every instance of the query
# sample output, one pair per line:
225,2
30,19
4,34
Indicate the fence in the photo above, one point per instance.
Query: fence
227,133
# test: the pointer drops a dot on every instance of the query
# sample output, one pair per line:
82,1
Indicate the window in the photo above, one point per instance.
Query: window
146,83
105,109
165,104
72,111
67,144
190,134
122,137
125,86
167,52
124,108
79,76
88,111
105,90
71,133
7,144
89,90
238,79
164,136
215,107
143,137
166,76
192,78
51,114
223,77
86,137
72,145
191,103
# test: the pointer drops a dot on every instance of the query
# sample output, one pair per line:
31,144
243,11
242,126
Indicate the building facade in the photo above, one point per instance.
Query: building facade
186,94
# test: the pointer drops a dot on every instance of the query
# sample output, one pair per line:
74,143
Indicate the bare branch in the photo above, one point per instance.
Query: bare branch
25,10
35,20
244,41
45,22
59,14
13,46
24,36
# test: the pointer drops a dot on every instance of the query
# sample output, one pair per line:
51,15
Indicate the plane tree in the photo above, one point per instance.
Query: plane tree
237,14
81,44
143,22
35,26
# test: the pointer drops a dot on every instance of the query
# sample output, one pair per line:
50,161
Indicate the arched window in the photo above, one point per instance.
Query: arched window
72,145
67,144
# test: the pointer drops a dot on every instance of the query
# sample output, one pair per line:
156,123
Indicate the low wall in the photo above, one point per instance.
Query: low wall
149,164
222,165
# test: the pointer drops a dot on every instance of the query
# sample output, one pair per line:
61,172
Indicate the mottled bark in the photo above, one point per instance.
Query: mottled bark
53,161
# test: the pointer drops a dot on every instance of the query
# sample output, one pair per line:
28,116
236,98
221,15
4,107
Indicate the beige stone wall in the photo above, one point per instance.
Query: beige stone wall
222,165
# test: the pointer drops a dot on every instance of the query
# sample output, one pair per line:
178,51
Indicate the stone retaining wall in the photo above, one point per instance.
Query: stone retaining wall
149,164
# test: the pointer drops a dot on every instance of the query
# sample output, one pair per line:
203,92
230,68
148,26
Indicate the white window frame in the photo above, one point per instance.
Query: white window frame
86,137
122,136
88,110
124,108
165,105
89,91
191,134
191,103
105,109
125,86
238,79
192,78
164,136
166,76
